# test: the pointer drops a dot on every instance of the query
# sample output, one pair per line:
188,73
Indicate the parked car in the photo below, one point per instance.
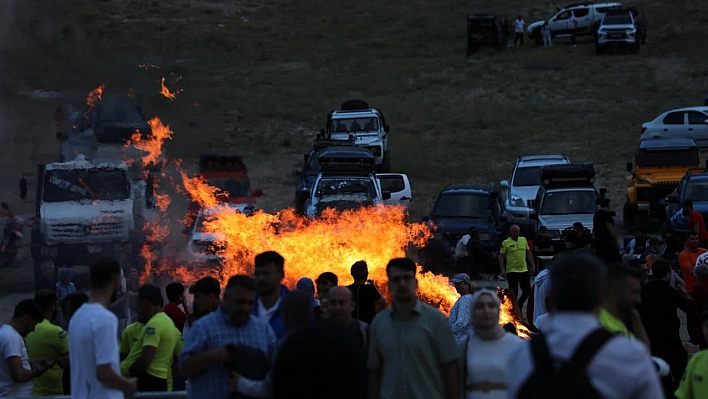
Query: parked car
693,187
587,14
690,122
523,186
458,208
618,29
485,30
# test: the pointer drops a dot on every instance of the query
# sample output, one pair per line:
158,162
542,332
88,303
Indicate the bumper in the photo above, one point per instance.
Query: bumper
605,42
518,215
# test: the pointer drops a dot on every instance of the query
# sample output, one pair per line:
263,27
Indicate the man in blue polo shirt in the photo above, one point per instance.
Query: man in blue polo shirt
269,276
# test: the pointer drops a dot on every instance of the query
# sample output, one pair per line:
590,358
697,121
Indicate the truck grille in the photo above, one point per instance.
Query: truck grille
77,230
655,194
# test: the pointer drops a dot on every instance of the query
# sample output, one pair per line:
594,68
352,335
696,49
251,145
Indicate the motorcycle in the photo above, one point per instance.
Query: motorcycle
8,246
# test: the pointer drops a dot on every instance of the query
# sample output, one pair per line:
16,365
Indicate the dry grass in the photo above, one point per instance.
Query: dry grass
265,73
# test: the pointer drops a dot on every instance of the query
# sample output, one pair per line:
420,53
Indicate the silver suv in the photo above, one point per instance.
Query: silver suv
618,28
525,182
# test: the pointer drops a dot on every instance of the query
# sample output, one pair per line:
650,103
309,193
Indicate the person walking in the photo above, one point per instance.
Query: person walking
687,260
519,31
614,366
412,351
93,347
516,253
269,274
696,223
572,28
606,240
546,32
693,384
460,313
485,352
366,297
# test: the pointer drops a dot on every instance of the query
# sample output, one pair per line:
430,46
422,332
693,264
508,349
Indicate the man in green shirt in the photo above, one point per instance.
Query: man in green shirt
48,341
694,384
412,351
158,343
623,293
515,252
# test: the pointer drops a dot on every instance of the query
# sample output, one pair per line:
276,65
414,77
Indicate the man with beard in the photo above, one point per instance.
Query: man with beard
48,341
231,339
93,347
206,292
269,276
623,294
158,343
412,351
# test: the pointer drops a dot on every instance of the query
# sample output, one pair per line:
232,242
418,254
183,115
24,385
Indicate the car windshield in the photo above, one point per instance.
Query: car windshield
369,124
624,19
61,185
462,205
527,176
668,157
235,188
335,186
569,202
696,190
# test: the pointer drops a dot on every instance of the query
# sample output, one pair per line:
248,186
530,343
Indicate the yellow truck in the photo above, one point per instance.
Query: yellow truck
659,165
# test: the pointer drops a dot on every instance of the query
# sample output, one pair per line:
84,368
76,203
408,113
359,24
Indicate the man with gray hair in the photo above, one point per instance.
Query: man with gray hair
614,365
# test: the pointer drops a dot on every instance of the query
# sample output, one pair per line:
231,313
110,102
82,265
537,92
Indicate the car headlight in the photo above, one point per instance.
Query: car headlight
517,201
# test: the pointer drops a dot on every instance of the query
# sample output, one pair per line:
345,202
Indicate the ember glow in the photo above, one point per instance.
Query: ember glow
152,145
166,92
94,96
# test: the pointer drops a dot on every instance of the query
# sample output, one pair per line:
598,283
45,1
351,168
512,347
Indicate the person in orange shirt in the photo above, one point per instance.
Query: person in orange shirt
696,223
687,260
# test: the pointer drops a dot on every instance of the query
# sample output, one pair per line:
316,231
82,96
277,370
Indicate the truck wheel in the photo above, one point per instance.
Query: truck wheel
629,216
386,162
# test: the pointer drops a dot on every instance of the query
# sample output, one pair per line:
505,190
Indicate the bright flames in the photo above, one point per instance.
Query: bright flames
152,145
166,92
94,96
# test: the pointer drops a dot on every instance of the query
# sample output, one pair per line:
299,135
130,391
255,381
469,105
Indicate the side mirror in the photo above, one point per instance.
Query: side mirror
603,191
386,128
533,216
258,192
425,219
630,167
504,184
672,199
386,195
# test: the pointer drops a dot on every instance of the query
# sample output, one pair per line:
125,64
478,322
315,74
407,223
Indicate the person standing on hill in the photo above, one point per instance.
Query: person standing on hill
519,31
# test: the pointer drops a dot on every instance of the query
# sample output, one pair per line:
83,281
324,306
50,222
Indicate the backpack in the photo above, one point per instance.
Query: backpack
571,379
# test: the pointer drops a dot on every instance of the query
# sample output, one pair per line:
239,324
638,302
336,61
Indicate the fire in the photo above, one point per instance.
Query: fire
94,96
508,314
153,144
166,92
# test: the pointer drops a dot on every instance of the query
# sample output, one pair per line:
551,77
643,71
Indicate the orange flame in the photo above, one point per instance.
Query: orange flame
153,144
94,96
166,92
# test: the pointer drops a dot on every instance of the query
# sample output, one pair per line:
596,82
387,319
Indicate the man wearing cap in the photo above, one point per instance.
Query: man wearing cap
461,312
206,293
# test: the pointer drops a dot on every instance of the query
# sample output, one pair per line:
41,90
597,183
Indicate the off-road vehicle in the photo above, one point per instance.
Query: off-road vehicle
618,29
485,30
587,14
658,167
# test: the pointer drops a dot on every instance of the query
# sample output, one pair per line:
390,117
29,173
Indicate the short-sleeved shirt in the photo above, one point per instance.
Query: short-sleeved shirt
13,345
176,314
697,219
613,324
47,341
365,297
694,383
129,338
410,352
515,252
519,25
216,330
579,241
92,342
688,258
160,333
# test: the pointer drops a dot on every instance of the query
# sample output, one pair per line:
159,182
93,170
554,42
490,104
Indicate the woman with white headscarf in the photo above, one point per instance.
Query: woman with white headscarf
486,350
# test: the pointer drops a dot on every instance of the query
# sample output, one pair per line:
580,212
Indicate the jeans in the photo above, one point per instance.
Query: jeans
521,280
547,41
519,37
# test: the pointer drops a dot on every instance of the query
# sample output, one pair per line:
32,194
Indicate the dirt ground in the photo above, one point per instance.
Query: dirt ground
258,77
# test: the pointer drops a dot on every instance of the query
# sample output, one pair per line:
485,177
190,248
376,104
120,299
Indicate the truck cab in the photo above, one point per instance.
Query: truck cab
567,195
658,167
587,14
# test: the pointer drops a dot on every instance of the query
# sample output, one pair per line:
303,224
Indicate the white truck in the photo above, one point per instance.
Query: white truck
86,211
364,126
587,14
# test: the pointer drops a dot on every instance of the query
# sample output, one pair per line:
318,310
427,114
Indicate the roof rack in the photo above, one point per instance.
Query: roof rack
568,175
346,163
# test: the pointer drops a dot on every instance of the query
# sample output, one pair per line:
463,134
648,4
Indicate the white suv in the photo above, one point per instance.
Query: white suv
618,28
525,182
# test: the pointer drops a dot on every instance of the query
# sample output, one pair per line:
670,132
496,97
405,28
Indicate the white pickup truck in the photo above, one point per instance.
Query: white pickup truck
588,16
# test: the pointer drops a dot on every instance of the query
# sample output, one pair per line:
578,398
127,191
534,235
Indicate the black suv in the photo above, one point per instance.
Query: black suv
485,30
458,208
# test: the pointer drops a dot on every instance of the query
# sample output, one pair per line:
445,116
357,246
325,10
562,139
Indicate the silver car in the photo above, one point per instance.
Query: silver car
525,182
691,123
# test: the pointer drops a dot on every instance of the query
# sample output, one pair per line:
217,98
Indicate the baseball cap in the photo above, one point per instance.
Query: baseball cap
460,278
206,285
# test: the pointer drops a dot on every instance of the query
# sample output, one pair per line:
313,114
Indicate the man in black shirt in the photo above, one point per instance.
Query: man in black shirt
578,239
605,236
481,261
365,295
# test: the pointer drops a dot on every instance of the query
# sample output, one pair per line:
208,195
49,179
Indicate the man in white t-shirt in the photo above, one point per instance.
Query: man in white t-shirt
93,347
519,31
572,26
16,372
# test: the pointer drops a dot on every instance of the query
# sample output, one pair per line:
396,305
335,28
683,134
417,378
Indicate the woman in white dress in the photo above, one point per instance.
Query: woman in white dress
486,350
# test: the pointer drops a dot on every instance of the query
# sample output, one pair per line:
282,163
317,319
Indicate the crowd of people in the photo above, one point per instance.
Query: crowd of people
599,331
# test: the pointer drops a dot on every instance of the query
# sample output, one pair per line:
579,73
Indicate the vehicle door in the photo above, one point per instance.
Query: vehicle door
674,125
399,187
559,23
698,127
584,18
